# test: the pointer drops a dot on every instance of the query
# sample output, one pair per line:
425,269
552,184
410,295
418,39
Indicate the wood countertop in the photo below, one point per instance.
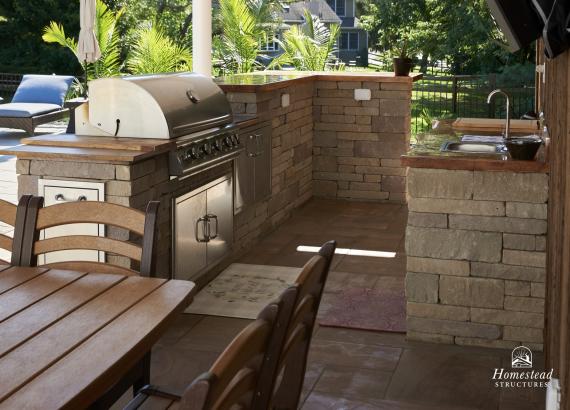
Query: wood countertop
71,147
275,80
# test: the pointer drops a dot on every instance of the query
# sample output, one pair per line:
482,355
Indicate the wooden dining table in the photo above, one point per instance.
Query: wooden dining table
66,337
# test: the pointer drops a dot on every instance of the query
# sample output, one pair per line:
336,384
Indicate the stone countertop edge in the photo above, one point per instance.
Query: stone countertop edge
275,80
69,147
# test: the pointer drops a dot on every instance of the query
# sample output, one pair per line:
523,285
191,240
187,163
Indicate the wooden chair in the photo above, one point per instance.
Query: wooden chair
15,216
133,220
292,365
237,379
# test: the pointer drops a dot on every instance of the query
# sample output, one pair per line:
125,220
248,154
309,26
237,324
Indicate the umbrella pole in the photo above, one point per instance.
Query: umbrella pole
85,78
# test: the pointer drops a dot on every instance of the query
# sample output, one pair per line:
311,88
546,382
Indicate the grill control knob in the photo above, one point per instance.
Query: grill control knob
193,153
237,139
217,145
207,149
228,142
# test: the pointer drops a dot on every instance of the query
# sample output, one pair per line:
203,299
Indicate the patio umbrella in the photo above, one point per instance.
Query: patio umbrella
87,47
88,50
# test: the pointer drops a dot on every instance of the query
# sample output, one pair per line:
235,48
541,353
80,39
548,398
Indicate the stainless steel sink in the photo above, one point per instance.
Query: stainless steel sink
492,148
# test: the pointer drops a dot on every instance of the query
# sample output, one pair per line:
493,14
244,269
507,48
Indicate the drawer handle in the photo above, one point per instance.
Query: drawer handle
61,198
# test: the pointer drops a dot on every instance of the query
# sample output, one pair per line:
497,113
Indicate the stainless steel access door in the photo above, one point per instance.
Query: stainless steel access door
189,252
220,220
203,228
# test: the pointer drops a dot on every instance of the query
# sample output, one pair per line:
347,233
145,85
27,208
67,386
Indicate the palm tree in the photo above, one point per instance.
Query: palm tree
107,35
246,24
154,52
309,47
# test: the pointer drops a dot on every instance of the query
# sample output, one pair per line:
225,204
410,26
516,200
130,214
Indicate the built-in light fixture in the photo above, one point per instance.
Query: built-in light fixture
351,252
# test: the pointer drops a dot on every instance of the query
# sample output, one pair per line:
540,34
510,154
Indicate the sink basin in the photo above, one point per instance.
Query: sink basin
492,148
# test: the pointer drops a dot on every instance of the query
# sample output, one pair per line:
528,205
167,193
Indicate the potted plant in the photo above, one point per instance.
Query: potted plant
403,63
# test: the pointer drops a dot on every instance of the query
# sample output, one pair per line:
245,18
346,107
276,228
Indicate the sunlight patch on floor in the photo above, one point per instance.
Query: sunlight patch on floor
351,252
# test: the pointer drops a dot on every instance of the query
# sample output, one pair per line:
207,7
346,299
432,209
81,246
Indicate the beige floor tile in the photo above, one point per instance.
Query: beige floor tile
353,383
354,355
446,378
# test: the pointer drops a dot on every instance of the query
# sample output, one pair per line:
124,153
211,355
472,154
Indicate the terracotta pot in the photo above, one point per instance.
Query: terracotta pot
403,66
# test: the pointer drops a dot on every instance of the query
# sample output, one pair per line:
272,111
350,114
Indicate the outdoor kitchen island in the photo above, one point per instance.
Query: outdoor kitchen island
476,247
334,135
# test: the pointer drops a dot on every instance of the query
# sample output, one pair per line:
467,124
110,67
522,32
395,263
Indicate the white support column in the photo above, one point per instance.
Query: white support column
202,36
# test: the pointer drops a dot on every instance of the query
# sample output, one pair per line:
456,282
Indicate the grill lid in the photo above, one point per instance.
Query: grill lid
157,106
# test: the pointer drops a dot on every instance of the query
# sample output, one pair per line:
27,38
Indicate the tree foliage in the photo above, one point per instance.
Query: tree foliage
308,47
242,26
461,32
154,52
21,36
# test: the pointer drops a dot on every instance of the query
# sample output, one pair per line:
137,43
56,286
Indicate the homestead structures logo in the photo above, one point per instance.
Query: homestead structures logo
521,359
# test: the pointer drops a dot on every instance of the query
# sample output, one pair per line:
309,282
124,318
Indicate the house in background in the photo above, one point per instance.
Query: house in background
353,40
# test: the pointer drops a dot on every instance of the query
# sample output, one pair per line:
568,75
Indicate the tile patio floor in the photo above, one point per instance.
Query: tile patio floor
348,369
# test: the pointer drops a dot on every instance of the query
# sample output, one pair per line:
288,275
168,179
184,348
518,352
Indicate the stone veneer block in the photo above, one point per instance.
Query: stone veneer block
421,287
440,183
525,210
504,317
68,169
429,337
453,244
519,242
524,304
495,344
498,224
509,272
453,328
537,290
510,186
517,288
437,266
431,310
427,220
472,292
523,334
457,206
524,258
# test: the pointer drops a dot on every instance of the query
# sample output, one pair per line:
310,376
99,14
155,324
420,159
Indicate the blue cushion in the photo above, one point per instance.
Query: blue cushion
23,110
44,89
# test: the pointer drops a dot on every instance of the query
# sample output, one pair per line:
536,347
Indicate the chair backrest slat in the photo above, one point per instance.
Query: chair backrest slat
293,358
238,377
91,212
14,216
104,213
61,243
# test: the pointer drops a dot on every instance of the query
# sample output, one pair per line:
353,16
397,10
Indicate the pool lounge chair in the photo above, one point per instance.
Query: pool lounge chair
39,99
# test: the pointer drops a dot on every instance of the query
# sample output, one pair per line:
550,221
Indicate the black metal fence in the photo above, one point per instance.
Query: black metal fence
8,84
465,96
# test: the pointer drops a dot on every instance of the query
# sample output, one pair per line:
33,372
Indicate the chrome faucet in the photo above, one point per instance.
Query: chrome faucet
508,125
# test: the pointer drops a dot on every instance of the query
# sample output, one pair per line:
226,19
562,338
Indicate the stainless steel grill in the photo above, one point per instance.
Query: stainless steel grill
187,107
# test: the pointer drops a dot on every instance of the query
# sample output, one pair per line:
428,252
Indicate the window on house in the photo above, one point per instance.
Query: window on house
349,41
338,6
270,44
